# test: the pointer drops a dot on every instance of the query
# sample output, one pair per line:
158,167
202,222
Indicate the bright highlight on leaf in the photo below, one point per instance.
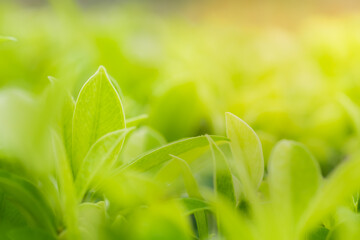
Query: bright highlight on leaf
7,38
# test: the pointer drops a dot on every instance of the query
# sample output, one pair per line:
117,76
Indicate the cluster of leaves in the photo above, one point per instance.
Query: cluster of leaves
81,170
283,82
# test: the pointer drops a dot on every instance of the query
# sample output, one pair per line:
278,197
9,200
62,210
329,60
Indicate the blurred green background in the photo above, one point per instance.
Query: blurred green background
289,69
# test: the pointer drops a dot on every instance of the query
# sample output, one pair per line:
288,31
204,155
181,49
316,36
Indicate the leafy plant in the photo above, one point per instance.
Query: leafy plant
84,185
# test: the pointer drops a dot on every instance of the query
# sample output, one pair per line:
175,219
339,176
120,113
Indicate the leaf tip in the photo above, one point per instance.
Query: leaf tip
229,115
101,69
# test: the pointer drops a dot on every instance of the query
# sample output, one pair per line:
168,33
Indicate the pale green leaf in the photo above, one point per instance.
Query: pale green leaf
294,178
161,155
223,181
98,111
141,140
340,185
66,123
353,111
246,149
348,226
193,205
233,224
100,157
66,189
135,121
91,220
193,192
163,220
190,182
177,113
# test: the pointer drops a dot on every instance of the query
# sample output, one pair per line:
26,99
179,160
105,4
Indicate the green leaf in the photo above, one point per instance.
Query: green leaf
319,233
98,111
100,157
193,205
11,216
294,178
164,220
30,233
178,112
246,149
340,185
161,155
353,111
135,121
223,181
24,129
26,195
348,226
193,192
233,225
66,189
189,179
91,220
66,123
141,140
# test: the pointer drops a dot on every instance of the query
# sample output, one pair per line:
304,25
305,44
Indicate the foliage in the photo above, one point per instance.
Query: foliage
136,162
84,188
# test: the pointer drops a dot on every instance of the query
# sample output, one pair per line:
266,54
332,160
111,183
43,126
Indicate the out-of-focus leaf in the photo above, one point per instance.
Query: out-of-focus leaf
100,157
193,191
30,233
11,216
223,181
26,195
246,149
159,156
190,183
24,125
66,189
353,110
91,220
140,141
133,189
348,226
294,178
164,220
135,121
233,225
193,205
319,233
177,113
341,184
66,123
98,111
